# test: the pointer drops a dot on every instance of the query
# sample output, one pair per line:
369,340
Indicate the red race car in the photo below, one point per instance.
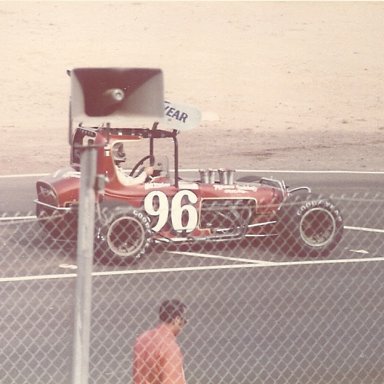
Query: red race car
143,202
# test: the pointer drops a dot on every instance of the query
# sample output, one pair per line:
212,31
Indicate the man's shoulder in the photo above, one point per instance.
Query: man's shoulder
148,334
159,335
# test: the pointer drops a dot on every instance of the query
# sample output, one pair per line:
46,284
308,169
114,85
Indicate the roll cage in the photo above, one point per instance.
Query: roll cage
83,134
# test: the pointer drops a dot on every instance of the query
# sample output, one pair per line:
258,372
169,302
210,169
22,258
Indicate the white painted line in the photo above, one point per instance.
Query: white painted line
209,256
292,171
373,230
315,172
237,170
37,277
261,264
17,218
23,176
68,266
362,251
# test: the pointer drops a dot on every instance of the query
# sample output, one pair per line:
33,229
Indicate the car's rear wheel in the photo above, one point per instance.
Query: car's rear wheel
309,225
122,237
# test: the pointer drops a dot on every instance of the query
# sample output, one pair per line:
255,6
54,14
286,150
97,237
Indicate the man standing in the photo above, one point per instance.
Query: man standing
157,356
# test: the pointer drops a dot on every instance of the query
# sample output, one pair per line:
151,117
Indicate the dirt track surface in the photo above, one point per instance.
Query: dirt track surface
281,85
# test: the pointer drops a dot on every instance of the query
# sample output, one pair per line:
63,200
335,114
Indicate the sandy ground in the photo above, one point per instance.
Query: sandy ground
282,85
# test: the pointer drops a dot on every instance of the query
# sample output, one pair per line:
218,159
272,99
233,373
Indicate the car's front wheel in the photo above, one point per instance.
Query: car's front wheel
309,225
122,236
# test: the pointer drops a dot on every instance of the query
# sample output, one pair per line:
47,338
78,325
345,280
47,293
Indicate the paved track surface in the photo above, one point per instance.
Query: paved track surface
297,320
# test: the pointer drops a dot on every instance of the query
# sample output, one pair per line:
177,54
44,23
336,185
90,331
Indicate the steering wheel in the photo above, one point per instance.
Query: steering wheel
135,171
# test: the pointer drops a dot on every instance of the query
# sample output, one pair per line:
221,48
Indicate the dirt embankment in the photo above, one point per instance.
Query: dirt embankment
281,85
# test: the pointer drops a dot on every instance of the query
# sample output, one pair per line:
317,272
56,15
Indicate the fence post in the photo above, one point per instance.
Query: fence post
85,240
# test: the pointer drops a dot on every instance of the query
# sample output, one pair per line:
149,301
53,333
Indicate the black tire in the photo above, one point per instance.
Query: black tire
122,236
309,225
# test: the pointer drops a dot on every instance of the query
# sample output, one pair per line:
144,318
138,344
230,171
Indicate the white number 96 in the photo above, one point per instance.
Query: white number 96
156,204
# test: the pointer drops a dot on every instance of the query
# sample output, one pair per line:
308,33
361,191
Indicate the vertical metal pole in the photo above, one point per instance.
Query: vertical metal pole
85,239
176,146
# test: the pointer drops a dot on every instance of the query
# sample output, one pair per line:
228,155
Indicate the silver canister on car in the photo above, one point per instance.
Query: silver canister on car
226,176
207,176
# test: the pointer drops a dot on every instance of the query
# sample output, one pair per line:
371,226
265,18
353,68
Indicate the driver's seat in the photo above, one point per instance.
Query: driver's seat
127,180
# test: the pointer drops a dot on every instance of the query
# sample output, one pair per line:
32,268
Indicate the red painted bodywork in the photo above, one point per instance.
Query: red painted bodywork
61,189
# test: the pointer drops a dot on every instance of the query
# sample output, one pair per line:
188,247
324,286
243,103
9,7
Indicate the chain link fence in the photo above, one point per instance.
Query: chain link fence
257,313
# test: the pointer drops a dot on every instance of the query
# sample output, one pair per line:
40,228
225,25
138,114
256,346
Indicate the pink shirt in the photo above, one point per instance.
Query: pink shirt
158,358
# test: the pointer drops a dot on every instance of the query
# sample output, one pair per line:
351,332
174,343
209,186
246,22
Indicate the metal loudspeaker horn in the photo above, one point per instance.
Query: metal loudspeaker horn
100,95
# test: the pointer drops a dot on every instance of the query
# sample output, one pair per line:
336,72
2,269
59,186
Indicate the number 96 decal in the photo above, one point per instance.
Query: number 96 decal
181,210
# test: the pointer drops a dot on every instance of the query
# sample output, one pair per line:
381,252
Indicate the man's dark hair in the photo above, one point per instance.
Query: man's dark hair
170,309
